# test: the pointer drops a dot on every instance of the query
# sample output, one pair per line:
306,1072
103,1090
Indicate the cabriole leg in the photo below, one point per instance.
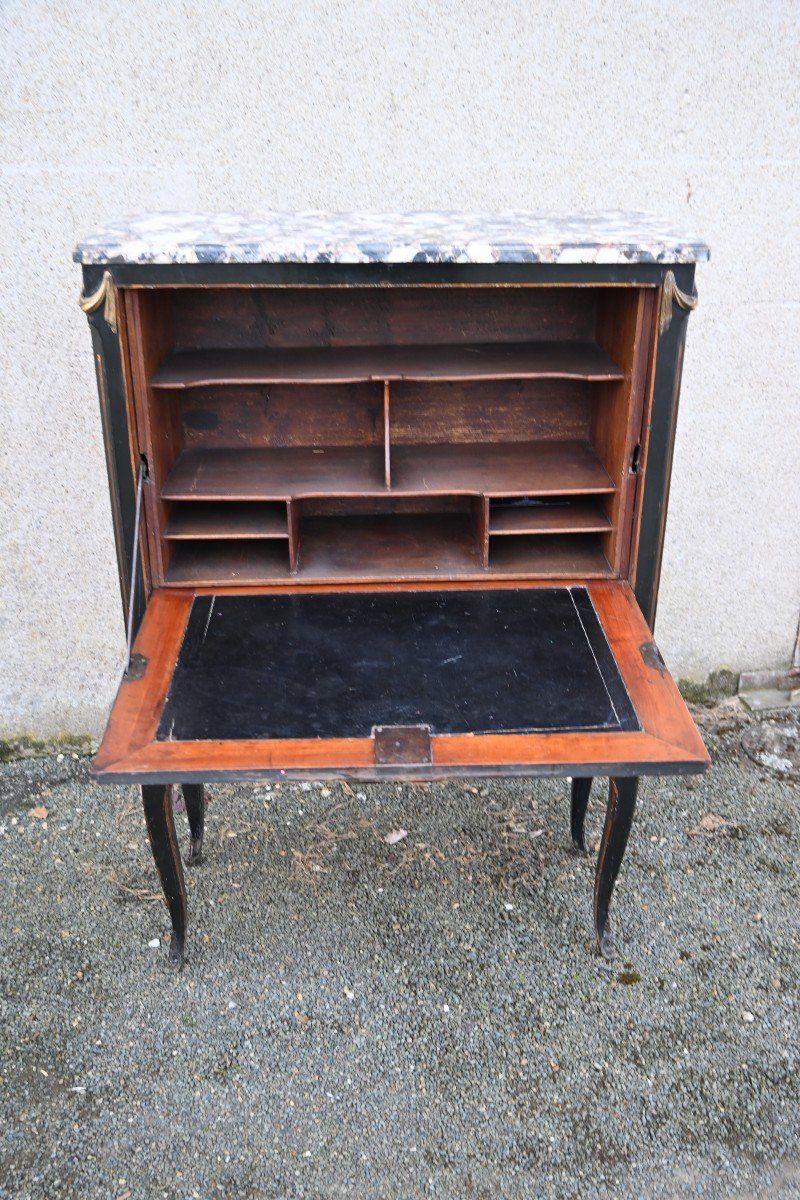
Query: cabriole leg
157,800
195,801
619,817
580,800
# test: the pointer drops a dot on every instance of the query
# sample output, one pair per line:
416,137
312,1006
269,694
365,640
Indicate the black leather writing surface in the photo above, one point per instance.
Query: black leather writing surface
333,665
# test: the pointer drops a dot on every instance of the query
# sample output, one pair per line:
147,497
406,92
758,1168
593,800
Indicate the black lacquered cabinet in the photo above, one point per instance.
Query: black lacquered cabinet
389,498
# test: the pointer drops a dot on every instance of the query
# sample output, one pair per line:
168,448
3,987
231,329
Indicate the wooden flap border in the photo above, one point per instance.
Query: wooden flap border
668,742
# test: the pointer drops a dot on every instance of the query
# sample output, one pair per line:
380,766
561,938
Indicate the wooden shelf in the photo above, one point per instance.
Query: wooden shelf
227,519
499,469
395,548
434,547
573,516
352,364
492,468
217,563
338,548
267,474
549,557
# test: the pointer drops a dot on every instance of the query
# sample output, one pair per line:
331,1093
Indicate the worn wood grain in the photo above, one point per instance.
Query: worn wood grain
296,316
279,416
519,410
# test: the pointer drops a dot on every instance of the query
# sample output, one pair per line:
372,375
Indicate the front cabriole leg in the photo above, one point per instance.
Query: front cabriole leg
580,800
195,801
619,817
157,800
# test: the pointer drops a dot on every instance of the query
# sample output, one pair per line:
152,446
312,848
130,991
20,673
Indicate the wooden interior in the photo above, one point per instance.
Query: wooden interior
312,435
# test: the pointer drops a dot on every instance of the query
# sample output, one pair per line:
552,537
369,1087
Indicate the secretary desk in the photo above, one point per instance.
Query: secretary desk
389,494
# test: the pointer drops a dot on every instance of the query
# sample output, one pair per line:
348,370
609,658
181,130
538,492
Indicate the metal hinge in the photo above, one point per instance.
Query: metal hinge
652,657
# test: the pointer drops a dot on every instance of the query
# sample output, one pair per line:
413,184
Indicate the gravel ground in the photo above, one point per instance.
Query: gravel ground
420,1019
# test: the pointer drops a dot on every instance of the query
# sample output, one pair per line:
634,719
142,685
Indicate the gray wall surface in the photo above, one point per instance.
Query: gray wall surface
686,109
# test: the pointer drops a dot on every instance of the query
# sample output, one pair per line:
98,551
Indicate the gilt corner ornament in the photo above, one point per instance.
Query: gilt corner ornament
105,295
672,294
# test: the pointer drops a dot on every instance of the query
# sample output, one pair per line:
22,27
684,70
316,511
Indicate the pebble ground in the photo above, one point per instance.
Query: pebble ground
429,1018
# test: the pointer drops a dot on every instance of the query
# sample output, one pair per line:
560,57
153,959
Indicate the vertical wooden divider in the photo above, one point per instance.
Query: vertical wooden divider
480,516
644,351
387,451
293,519
148,323
625,319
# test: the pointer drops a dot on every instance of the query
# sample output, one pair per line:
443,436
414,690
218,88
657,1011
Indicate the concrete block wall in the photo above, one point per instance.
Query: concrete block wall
687,109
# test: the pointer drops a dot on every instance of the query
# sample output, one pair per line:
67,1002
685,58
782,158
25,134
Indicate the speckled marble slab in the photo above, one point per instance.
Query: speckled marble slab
410,237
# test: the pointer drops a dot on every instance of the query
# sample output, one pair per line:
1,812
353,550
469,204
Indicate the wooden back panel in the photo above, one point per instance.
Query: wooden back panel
239,318
346,414
504,411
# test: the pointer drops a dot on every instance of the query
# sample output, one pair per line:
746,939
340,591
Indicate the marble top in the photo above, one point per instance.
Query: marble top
409,237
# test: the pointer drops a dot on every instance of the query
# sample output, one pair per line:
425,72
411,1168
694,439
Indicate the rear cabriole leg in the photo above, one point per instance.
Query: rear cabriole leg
195,800
619,817
580,800
157,801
